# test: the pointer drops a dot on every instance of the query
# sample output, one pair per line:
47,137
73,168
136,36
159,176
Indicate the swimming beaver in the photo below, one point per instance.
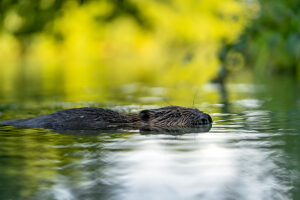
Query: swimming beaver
90,118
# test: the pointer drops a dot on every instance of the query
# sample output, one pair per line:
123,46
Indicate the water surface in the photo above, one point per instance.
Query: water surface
251,152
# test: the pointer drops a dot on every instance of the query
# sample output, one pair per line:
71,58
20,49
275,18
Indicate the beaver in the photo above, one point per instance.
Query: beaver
91,118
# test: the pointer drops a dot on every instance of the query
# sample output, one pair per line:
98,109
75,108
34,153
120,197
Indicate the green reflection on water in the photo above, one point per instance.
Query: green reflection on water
33,160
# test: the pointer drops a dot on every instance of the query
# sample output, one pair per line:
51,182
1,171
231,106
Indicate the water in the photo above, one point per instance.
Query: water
252,152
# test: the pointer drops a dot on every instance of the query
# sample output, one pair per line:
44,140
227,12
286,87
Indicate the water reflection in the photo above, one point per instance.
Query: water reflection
251,152
176,130
171,131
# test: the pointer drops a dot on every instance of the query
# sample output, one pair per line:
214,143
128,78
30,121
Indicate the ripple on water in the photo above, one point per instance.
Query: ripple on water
248,155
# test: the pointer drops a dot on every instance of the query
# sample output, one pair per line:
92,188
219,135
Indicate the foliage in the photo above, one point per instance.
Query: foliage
101,44
271,43
23,18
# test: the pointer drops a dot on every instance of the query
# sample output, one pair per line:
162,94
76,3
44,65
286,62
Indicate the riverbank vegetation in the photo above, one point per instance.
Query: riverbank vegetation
90,50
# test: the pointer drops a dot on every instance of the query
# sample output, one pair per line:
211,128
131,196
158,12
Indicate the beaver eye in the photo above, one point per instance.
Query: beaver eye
176,115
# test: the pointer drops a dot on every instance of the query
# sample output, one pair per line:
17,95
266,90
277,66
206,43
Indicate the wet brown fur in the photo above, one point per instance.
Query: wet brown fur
90,118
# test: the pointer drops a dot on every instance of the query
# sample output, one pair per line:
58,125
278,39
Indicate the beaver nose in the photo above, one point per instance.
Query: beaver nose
203,121
209,118
206,119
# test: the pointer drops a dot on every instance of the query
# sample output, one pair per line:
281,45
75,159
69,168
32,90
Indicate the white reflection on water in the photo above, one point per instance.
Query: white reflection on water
204,166
62,192
250,103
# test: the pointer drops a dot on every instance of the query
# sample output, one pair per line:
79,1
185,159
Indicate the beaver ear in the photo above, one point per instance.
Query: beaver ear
145,115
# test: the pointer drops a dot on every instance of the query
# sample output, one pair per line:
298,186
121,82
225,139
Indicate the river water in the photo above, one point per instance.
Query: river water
252,152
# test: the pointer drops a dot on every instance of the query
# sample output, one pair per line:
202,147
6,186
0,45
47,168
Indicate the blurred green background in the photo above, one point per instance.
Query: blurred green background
238,60
96,51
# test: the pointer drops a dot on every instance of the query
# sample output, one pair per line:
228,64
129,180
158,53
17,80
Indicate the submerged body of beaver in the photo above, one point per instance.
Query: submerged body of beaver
89,118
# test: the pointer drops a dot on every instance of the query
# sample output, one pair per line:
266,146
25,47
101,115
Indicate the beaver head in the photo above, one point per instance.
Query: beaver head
174,116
